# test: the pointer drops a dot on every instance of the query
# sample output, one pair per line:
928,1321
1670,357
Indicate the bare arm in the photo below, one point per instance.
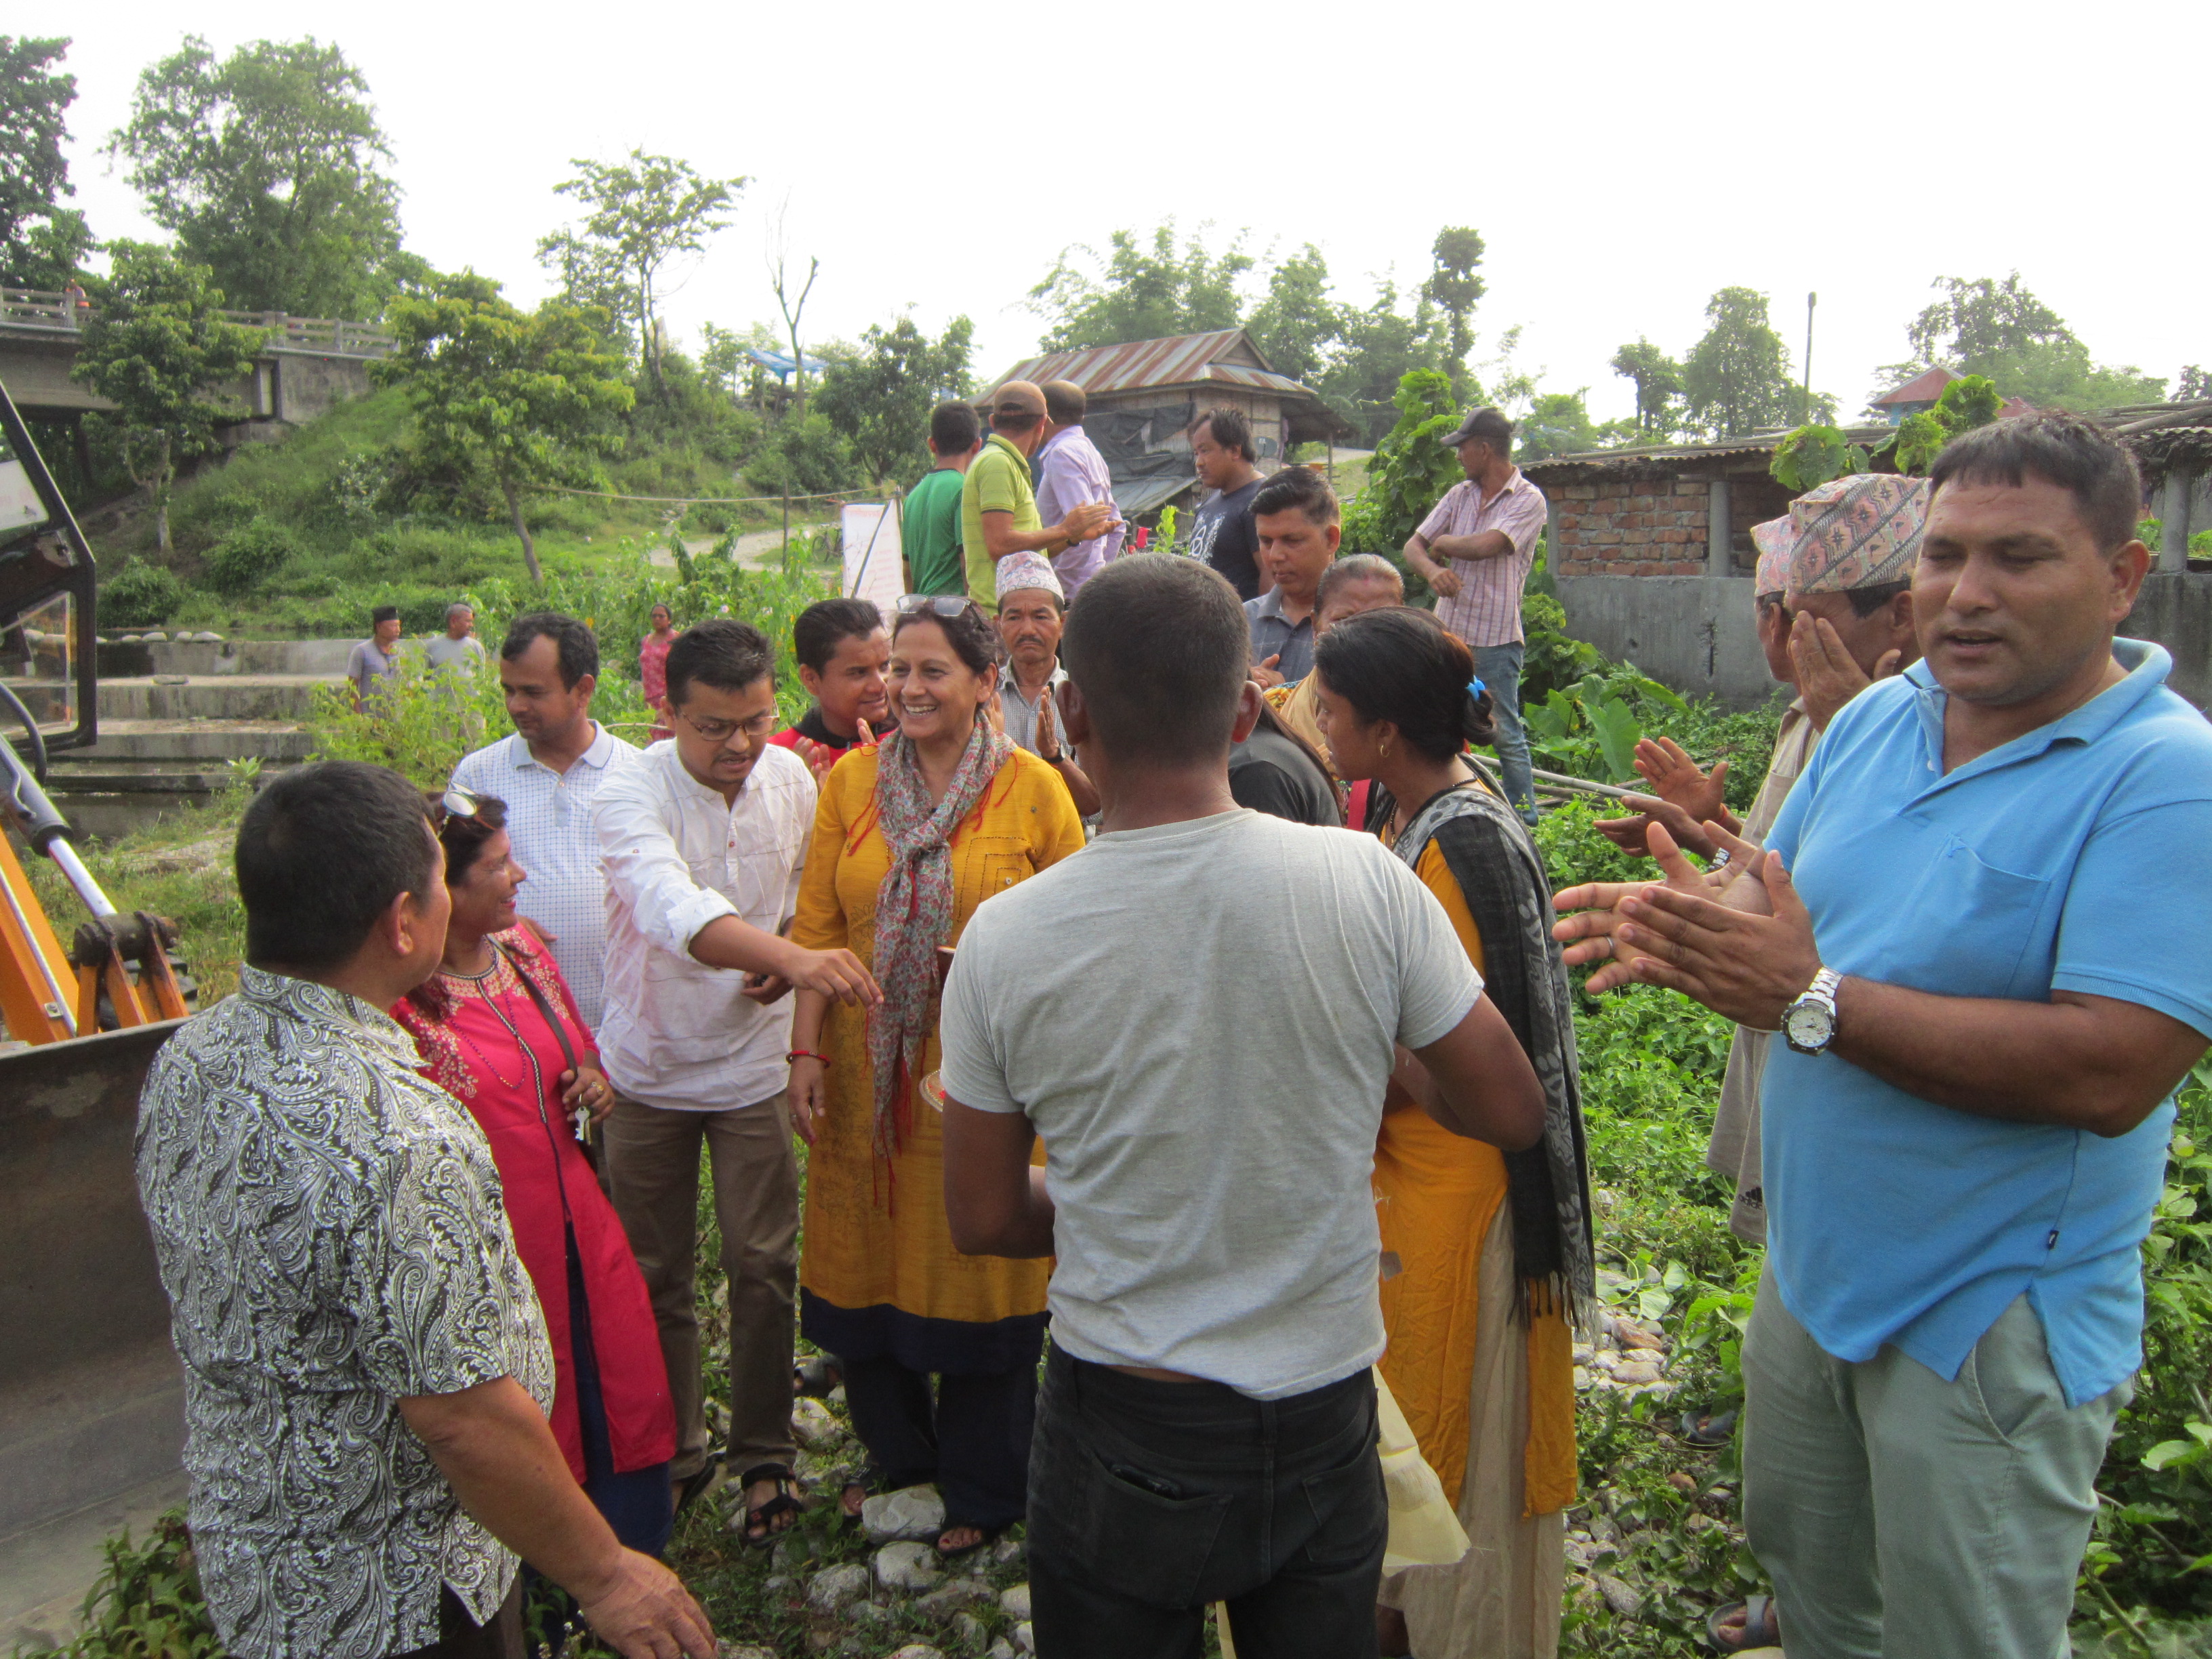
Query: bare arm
2077,1062
1081,523
1476,1081
808,1091
994,1198
1482,544
493,1444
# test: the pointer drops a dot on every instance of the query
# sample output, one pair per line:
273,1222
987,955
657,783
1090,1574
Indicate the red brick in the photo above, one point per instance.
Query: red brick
1581,493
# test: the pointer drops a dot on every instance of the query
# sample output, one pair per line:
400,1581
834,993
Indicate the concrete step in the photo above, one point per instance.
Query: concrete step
190,742
128,660
285,698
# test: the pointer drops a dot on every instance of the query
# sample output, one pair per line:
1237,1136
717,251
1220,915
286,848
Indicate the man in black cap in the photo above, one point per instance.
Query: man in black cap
1476,548
997,498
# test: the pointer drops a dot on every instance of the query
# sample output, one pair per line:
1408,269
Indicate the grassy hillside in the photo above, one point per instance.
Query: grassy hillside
303,535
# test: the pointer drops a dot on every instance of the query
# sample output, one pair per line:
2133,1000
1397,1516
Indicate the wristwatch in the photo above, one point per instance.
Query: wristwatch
1808,1025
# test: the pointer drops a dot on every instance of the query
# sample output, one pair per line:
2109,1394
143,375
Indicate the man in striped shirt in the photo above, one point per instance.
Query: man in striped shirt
1476,549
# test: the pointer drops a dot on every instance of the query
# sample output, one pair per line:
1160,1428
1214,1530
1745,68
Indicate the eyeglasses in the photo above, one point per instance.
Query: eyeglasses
947,605
719,731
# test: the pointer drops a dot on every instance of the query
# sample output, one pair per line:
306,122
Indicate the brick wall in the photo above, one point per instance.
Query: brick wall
1632,527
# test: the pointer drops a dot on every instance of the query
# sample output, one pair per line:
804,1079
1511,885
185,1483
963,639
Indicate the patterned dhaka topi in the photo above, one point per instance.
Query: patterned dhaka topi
1861,531
1775,543
1019,570
914,906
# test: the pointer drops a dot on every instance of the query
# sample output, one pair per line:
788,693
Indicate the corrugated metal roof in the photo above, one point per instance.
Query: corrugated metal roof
1143,494
1146,365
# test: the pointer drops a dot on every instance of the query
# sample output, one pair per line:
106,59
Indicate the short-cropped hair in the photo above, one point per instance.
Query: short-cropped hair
383,613
1065,401
954,429
577,645
459,608
1299,488
1355,567
1230,429
322,852
2078,455
1158,648
720,652
825,624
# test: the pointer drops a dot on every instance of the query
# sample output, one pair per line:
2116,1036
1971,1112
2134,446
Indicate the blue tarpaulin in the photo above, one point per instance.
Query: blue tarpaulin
780,365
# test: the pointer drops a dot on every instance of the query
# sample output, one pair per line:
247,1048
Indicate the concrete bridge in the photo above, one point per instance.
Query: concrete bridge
308,364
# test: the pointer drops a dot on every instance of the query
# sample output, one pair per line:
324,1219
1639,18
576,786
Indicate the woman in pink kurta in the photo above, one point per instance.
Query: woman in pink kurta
652,668
498,1030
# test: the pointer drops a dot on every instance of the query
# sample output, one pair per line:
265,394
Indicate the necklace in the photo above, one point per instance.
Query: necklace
495,1001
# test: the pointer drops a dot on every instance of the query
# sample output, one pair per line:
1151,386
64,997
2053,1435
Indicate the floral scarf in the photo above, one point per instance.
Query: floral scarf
914,905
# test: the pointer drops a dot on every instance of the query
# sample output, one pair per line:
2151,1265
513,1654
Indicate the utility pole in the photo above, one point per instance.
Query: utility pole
1811,300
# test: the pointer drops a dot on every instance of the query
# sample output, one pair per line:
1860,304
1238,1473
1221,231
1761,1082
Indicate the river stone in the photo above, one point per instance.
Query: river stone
812,1422
1025,1637
950,1598
1635,1372
915,1513
836,1589
917,1651
1001,1649
1619,1596
1008,1551
906,1565
741,1651
1016,1602
968,1630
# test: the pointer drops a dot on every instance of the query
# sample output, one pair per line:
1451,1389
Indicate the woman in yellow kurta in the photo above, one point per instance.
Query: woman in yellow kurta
909,839
1486,1254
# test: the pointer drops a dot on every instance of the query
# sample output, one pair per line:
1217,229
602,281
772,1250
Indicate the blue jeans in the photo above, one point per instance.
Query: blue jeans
1498,668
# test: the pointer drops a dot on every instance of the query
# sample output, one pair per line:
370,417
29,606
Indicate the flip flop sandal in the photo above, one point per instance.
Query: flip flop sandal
990,1535
1762,1627
762,1516
1710,1430
814,1377
699,1485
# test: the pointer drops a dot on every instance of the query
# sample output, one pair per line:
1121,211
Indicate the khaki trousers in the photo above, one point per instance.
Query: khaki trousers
1906,1517
653,1172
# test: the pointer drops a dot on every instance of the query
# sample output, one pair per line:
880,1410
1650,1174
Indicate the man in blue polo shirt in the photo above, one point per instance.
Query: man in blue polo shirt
1984,926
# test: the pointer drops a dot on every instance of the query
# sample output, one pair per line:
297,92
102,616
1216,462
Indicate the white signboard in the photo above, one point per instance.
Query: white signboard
872,555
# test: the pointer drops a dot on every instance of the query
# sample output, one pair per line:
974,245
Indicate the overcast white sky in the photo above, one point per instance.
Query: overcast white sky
1622,162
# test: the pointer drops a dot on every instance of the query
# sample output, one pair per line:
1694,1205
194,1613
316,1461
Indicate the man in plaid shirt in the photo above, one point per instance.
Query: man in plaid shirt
1476,549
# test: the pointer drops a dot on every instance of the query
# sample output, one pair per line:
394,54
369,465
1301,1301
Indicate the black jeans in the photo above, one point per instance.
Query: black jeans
1149,1500
972,1439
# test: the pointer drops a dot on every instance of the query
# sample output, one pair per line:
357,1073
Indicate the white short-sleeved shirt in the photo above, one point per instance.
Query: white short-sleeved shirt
1209,1125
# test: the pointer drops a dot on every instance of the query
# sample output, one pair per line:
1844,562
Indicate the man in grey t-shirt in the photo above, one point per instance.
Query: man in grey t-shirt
458,650
375,660
1206,1429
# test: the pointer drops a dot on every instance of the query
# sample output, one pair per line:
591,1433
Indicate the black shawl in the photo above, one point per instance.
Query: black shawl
1490,854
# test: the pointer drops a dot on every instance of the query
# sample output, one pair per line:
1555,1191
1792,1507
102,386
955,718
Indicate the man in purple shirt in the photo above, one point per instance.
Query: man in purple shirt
1070,471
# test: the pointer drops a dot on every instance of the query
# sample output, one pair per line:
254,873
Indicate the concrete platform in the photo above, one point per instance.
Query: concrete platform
319,657
280,698
129,743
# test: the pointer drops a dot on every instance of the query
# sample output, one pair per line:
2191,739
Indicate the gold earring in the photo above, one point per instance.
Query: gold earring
1386,749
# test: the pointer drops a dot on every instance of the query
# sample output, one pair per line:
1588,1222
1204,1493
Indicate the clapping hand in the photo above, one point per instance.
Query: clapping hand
1695,796
1048,729
820,757
1594,930
1264,674
1828,676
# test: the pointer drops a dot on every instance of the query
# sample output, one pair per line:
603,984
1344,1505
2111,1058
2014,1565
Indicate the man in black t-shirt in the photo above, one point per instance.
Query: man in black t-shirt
1222,534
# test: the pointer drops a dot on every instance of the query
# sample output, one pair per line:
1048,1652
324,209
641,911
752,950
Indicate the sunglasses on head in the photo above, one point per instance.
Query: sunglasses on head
942,604
456,803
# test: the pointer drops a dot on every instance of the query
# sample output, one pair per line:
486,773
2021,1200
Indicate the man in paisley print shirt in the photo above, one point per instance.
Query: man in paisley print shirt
366,1369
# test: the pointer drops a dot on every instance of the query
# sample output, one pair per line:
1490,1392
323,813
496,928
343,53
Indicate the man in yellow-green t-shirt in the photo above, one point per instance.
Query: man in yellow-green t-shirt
997,500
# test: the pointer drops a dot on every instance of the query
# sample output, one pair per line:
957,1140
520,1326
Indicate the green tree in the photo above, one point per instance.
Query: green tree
640,214
41,241
156,346
2194,383
1453,288
519,398
2002,331
265,165
1559,423
1298,326
1737,379
1382,346
1139,292
1658,379
1411,470
881,398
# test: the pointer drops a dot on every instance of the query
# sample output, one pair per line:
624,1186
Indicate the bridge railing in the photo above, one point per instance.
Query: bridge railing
329,337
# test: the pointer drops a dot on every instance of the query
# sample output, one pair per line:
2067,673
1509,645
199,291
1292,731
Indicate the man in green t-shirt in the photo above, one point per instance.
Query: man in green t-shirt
934,563
997,501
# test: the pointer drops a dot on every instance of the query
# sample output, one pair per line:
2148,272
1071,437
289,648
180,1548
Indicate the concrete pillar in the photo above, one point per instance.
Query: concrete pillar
2173,520
1551,533
1720,559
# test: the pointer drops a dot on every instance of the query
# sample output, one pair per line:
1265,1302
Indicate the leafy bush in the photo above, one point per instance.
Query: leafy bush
140,595
248,557
1409,473
147,1603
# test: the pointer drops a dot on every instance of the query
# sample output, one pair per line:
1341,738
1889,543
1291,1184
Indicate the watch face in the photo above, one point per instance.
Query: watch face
1807,1025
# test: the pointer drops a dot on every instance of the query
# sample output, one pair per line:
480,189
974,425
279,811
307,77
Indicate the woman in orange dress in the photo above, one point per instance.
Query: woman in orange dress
909,839
1493,1250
